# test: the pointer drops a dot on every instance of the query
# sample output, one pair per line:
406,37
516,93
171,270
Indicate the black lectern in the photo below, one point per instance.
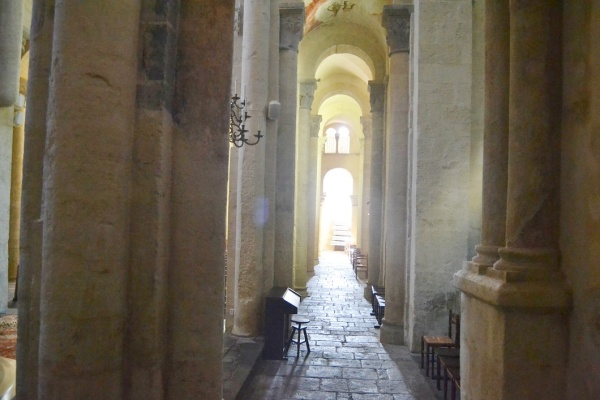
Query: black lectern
279,304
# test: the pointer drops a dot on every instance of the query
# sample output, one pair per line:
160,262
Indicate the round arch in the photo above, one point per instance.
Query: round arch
346,49
315,47
336,209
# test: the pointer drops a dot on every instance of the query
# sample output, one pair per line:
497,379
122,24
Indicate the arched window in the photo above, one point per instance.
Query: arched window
337,140
343,140
330,142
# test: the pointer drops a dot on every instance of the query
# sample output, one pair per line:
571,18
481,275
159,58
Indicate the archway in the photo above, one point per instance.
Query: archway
335,224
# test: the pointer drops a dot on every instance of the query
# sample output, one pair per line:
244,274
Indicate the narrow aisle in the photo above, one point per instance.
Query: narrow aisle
346,359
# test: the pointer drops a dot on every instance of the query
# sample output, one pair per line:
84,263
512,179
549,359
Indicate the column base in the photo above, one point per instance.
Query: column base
485,258
514,341
391,333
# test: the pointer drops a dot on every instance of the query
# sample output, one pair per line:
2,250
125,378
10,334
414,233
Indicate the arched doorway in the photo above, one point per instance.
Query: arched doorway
336,210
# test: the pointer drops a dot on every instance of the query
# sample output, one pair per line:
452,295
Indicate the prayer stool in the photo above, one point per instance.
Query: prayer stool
297,327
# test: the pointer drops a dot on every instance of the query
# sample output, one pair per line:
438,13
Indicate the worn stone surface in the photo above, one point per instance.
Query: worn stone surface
86,198
477,126
16,183
31,206
439,172
291,151
377,96
197,226
6,144
11,20
250,218
580,194
346,359
397,23
300,221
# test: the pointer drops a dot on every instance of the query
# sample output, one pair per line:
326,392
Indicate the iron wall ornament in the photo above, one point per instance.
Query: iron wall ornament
237,123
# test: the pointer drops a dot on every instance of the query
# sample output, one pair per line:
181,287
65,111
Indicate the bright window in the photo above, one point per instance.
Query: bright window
337,140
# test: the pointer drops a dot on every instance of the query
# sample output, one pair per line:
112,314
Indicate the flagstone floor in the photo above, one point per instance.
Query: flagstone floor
346,361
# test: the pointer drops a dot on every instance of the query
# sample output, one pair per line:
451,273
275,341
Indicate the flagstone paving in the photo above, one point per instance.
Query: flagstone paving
346,360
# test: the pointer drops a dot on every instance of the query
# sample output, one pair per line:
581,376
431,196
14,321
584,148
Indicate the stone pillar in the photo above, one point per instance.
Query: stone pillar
42,27
377,91
307,90
396,19
11,21
271,152
11,34
495,145
16,180
291,22
232,180
151,205
199,197
312,201
367,124
86,191
251,214
518,309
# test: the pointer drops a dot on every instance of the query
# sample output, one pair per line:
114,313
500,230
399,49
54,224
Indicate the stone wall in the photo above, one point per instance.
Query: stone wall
580,193
439,153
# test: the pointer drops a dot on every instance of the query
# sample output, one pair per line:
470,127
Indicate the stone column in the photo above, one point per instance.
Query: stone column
11,16
16,181
523,300
396,20
307,90
86,191
232,180
250,217
271,151
11,34
291,22
495,145
151,205
367,124
11,21
199,197
377,91
312,201
42,27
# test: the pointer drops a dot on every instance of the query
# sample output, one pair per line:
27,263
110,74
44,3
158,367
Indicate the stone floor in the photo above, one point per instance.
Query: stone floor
346,361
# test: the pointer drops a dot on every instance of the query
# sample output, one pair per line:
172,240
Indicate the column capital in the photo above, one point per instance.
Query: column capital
291,25
367,123
396,21
315,125
307,92
377,91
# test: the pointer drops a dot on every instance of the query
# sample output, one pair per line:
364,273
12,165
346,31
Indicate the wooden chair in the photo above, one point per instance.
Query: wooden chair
448,355
428,343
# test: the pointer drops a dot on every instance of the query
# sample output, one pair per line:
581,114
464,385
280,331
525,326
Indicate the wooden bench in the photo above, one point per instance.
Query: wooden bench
376,290
360,262
452,375
379,309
